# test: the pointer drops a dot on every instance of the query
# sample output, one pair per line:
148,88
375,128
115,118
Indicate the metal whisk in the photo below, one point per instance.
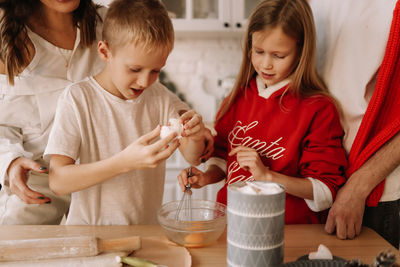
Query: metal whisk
184,211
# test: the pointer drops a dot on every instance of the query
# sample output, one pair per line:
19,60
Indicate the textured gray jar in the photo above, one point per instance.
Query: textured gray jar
255,228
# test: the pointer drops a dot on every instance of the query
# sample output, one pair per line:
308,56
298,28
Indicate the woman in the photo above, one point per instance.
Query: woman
44,46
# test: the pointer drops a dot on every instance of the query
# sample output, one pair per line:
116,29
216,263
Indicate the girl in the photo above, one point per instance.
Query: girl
279,124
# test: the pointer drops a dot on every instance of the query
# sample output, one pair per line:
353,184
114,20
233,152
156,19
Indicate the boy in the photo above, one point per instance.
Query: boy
110,122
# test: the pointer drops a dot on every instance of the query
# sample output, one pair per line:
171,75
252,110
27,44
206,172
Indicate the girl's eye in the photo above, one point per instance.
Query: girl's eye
155,71
259,52
279,56
135,70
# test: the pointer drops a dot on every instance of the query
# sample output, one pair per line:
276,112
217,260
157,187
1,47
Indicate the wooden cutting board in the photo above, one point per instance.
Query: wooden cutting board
64,247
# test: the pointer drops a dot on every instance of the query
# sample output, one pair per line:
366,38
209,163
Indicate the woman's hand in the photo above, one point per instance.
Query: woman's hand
249,160
209,143
18,174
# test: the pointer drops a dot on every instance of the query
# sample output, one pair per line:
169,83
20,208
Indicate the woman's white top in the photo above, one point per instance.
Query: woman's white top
27,109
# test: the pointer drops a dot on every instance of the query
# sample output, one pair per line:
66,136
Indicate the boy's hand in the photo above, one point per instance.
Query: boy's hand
193,126
142,154
249,160
197,180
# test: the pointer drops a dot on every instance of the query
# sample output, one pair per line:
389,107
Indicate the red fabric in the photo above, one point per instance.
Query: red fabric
301,139
382,118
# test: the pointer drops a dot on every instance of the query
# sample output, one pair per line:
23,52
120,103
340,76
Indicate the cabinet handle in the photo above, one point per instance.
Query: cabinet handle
226,25
239,25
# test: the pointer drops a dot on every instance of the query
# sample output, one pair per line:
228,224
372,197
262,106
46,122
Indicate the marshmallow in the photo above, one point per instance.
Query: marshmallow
323,253
260,188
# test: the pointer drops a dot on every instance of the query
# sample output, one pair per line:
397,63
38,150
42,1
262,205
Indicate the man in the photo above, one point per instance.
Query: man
352,37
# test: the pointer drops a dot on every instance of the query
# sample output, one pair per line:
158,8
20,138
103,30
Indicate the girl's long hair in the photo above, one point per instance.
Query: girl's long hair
14,52
296,19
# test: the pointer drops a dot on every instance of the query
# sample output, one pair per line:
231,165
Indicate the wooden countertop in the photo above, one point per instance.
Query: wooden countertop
299,240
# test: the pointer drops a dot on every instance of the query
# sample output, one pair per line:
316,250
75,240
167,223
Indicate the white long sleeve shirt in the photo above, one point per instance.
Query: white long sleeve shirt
27,109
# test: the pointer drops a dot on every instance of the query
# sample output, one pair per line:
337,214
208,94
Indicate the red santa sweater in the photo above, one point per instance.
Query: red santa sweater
300,137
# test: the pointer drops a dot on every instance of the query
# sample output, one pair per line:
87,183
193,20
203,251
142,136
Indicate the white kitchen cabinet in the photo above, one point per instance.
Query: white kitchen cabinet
210,15
207,15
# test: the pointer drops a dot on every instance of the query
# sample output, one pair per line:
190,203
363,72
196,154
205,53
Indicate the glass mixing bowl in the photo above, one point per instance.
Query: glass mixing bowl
207,223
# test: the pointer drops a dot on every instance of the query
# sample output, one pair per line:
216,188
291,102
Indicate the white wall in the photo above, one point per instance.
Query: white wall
197,63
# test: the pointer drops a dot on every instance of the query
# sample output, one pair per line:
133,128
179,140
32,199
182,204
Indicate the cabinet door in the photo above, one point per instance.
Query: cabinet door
241,11
199,15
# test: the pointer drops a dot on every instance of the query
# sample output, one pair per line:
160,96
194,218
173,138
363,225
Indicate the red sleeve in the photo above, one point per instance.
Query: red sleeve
323,156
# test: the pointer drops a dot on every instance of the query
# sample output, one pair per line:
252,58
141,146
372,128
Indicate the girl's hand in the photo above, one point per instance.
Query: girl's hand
143,153
197,180
18,173
193,126
249,160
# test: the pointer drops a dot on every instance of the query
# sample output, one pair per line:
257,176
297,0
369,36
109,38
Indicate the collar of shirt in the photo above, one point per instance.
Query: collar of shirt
265,91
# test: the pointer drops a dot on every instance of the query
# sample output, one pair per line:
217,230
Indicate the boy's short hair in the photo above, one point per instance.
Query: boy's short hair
138,21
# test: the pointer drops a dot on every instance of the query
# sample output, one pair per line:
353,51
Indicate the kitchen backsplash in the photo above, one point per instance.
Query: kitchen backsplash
197,65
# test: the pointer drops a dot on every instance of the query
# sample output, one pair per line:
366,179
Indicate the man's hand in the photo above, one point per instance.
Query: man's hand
18,173
346,214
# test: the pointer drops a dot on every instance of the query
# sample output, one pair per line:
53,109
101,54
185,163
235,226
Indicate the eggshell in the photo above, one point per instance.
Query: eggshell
174,126
165,131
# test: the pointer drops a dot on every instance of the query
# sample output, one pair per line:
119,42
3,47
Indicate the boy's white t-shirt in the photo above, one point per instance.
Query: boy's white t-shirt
91,125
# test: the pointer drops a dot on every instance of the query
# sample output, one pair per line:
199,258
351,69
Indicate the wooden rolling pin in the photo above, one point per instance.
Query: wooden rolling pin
63,247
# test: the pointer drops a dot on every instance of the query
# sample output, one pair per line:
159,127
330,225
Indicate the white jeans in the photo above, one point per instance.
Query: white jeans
14,211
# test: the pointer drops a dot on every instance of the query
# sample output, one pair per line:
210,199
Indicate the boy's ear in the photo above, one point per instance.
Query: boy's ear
103,50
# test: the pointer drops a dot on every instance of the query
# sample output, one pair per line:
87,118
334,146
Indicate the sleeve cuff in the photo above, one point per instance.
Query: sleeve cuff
220,163
322,196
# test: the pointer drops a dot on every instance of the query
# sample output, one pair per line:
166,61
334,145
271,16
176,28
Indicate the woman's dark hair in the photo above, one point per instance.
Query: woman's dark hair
14,52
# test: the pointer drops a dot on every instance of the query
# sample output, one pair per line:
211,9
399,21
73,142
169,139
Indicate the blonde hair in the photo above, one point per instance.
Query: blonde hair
14,52
296,19
138,21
